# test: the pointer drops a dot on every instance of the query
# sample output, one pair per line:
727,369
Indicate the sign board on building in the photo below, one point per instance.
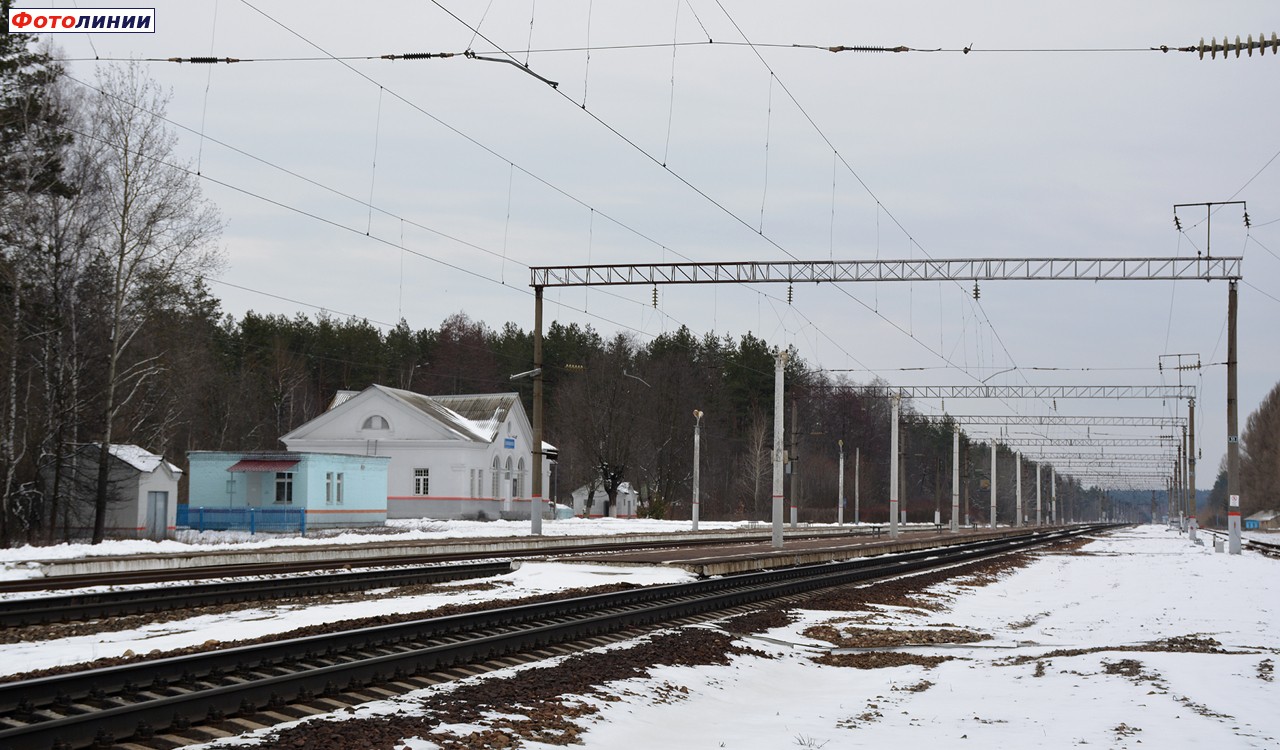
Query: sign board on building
509,443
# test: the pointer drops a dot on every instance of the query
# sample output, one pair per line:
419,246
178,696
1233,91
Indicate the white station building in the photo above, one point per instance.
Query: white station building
451,456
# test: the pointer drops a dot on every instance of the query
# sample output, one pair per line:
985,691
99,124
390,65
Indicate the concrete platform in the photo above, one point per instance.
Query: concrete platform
745,558
341,555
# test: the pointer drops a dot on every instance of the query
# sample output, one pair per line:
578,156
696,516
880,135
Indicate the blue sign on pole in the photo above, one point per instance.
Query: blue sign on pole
509,442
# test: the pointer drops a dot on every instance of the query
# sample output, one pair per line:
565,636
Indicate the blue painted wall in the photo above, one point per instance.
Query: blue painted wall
364,485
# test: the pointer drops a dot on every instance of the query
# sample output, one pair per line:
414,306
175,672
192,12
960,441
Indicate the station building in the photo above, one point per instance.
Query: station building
449,457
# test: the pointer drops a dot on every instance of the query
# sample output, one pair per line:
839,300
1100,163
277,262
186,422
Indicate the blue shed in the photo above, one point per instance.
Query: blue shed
311,489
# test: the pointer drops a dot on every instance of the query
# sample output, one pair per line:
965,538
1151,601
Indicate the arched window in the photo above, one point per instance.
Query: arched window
376,422
507,477
497,476
517,485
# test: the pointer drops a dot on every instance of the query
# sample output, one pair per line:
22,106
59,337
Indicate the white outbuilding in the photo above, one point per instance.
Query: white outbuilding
142,492
589,501
464,456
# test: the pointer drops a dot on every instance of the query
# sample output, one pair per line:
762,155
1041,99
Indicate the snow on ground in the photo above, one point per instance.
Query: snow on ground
1134,586
1128,588
17,562
1131,587
532,579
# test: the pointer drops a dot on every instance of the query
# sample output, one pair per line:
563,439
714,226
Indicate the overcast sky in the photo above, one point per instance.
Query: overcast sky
1009,151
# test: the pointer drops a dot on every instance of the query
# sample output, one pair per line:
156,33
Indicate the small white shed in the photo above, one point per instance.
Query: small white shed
144,494
627,505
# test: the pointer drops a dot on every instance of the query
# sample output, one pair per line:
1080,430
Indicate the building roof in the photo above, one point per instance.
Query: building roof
140,458
474,417
340,398
1264,515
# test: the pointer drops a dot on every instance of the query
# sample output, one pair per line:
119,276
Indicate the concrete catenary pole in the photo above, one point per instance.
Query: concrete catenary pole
840,486
794,461
697,439
778,367
1017,491
857,485
1178,501
535,504
1233,431
955,480
893,468
1191,462
992,517
1053,495
1038,515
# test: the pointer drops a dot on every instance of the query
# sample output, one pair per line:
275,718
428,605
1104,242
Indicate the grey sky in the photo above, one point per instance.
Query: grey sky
985,154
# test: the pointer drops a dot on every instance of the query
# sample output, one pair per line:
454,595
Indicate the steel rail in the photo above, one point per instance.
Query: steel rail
1270,549
110,704
73,607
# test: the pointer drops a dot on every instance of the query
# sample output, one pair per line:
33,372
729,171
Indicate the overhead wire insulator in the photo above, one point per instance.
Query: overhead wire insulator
865,48
1246,220
976,291
789,294
655,296
205,60
1227,46
1177,224
419,55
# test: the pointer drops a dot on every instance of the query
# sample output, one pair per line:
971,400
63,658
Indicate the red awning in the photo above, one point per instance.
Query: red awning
255,464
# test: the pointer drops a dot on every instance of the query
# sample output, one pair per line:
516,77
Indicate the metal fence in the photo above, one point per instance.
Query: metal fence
252,520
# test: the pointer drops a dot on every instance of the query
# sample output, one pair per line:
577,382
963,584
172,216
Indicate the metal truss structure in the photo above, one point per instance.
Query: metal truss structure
1206,268
1019,419
1118,457
965,269
1043,391
1136,442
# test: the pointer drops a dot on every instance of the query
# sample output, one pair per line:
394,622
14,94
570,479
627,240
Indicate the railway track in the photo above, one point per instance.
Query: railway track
144,699
76,607
205,572
1270,549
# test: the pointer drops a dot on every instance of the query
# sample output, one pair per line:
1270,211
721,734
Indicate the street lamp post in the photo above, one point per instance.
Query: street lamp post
697,436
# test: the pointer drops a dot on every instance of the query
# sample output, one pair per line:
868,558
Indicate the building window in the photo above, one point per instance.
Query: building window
517,487
376,423
507,477
337,486
328,487
284,487
422,481
497,472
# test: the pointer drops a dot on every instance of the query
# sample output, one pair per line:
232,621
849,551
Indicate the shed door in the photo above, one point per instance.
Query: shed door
157,515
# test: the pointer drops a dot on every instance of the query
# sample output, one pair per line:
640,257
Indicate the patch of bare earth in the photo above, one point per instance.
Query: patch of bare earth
849,637
908,591
916,687
1266,670
879,660
542,704
1194,644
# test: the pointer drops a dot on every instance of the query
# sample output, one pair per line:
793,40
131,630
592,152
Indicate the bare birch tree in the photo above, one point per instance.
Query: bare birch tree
159,231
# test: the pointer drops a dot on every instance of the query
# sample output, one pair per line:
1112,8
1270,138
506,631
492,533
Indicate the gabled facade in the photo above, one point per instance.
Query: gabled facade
450,456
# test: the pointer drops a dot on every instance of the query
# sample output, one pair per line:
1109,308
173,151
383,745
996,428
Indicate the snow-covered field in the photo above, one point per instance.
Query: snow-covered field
1068,662
1133,587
